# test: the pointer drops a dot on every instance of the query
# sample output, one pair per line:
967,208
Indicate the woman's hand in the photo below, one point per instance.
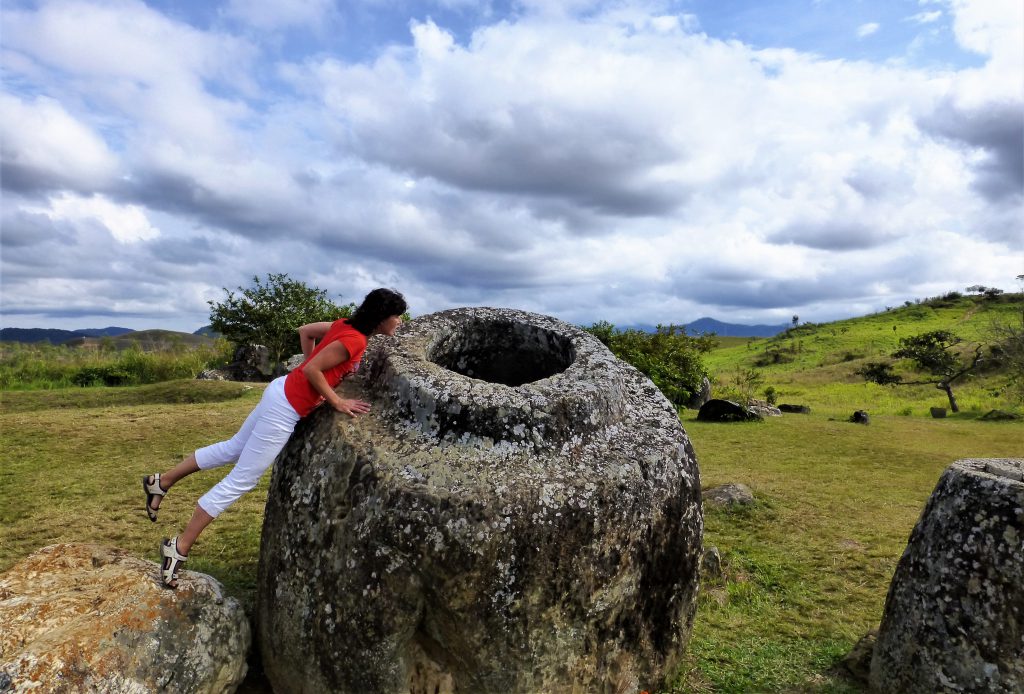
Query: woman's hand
351,407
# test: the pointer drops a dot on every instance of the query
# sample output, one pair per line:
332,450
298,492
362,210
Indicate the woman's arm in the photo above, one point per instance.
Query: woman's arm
309,334
330,356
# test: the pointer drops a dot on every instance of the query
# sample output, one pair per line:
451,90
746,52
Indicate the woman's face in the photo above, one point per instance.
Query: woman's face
389,325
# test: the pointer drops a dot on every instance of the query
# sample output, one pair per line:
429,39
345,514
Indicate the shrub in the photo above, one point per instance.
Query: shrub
668,356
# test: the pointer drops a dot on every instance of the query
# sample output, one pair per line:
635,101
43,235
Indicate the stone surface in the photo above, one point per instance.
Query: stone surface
763,409
794,409
711,568
294,361
731,494
85,618
698,399
519,512
857,663
860,417
954,616
999,416
716,410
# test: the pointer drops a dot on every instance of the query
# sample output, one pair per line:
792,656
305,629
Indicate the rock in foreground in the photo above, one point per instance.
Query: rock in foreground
84,618
520,512
954,616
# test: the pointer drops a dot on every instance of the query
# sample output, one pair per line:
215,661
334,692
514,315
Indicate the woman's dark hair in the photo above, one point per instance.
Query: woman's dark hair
378,305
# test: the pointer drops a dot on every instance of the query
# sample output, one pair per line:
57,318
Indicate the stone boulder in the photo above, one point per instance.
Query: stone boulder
294,361
698,399
519,512
717,410
729,495
763,409
954,616
999,416
938,412
250,363
84,618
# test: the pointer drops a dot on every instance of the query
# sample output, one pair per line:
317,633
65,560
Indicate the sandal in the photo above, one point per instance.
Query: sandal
152,490
172,562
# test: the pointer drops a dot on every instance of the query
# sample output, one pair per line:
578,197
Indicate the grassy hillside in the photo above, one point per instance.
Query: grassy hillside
815,364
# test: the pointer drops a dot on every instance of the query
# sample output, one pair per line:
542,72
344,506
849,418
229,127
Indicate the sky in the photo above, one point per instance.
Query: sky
640,162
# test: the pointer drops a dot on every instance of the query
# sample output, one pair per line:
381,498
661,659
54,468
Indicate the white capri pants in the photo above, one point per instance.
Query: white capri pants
265,432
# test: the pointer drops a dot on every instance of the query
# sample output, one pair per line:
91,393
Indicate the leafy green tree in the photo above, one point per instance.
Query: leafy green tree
270,312
932,353
668,356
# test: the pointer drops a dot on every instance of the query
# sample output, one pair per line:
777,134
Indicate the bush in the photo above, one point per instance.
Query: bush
668,356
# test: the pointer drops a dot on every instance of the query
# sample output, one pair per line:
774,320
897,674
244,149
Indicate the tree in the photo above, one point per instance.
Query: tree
270,314
668,356
1008,350
932,353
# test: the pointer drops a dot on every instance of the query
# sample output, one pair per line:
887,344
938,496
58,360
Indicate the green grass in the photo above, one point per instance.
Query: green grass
71,471
42,366
807,567
819,361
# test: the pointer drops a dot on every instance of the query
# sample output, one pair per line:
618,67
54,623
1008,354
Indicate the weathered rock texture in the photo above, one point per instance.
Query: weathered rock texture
729,495
716,410
520,512
84,618
954,616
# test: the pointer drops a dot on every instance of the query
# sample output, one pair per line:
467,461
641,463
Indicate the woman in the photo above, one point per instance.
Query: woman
332,350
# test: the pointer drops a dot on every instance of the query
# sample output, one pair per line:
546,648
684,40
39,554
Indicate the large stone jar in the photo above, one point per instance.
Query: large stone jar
954,616
520,512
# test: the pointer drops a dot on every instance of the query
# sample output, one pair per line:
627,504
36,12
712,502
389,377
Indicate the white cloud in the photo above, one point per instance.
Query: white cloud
279,14
618,166
926,17
126,223
128,58
42,146
867,29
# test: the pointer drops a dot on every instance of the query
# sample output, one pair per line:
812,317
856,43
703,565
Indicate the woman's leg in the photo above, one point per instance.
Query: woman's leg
269,433
169,478
208,457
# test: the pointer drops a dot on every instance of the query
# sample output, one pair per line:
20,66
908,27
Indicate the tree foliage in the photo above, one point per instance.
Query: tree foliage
270,312
668,356
932,353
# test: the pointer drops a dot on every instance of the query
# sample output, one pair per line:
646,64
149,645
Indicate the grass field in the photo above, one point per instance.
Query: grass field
815,364
808,565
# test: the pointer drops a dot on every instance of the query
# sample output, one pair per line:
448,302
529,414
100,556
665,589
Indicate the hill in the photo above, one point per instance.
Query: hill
816,364
56,336
147,340
703,326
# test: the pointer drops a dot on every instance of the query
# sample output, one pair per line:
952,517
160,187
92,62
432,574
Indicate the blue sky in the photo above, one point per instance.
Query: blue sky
638,162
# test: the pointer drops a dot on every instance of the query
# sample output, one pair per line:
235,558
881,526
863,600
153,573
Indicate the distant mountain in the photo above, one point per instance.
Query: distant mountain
111,331
703,326
93,337
55,336
207,331
710,325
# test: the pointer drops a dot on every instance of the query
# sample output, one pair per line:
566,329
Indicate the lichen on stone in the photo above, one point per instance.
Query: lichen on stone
519,512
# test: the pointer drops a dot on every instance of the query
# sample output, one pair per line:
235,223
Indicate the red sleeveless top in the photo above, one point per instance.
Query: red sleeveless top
299,392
